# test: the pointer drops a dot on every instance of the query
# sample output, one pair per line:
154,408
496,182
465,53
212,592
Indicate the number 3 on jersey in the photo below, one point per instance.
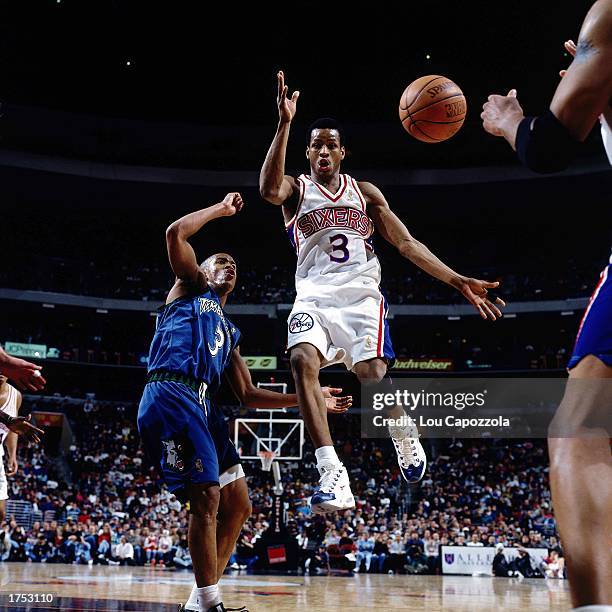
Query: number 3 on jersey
339,242
219,341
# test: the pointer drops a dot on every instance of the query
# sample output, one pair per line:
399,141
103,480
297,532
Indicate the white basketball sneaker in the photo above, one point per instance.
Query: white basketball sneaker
410,453
333,493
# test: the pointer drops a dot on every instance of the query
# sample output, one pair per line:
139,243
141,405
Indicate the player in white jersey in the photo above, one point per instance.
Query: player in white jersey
10,402
581,467
339,314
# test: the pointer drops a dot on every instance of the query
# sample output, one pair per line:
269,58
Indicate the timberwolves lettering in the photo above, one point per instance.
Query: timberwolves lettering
341,217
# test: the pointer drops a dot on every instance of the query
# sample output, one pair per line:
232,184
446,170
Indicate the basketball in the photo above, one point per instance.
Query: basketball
432,108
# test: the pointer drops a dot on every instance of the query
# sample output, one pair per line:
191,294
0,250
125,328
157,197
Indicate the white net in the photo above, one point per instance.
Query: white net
266,458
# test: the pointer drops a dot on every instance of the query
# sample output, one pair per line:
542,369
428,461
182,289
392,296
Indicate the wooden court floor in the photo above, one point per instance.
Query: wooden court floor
142,589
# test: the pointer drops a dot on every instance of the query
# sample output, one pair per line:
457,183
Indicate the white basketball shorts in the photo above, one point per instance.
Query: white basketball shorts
346,323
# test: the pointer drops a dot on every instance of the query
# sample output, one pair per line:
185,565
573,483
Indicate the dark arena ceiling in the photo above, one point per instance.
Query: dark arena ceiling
155,65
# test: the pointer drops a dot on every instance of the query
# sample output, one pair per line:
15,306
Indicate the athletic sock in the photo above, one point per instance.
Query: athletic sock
208,597
327,458
192,602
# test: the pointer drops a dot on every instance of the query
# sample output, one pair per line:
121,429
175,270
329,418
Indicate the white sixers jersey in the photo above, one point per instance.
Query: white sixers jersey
10,407
606,136
331,235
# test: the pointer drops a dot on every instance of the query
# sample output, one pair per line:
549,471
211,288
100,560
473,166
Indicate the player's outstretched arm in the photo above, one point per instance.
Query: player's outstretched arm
548,143
180,253
395,232
274,186
250,395
24,374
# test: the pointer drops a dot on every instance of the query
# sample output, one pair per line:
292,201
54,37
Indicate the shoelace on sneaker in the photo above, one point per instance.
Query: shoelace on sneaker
407,451
328,479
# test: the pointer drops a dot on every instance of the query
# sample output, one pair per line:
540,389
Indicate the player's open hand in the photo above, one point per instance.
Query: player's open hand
22,427
24,374
232,203
501,113
476,292
11,466
570,47
336,405
287,107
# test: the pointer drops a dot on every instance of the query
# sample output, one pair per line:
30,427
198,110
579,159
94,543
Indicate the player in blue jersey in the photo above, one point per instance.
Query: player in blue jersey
578,444
194,344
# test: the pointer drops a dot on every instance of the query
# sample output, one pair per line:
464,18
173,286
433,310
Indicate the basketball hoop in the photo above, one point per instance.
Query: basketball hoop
266,457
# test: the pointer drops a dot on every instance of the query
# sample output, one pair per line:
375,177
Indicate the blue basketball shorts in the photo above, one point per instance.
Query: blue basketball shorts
176,432
595,332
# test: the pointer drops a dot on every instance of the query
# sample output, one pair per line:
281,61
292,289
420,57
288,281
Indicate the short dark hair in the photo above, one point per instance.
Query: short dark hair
326,123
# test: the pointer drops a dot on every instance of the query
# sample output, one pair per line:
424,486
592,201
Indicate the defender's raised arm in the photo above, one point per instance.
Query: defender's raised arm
180,253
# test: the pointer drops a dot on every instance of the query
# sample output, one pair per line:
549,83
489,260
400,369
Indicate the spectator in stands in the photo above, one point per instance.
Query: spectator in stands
244,557
397,555
415,553
332,538
523,563
124,553
553,566
380,552
18,542
475,540
432,550
365,548
150,548
319,562
182,558
41,551
501,567
164,553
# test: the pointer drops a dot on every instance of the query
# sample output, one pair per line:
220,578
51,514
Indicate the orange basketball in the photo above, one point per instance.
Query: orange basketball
432,108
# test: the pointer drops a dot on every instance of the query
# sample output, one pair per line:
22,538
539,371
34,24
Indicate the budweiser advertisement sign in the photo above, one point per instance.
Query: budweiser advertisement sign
411,363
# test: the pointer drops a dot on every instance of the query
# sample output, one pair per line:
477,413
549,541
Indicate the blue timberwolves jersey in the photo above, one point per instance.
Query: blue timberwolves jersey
195,338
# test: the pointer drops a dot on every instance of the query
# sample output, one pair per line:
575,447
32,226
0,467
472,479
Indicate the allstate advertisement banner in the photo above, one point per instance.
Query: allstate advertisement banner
479,559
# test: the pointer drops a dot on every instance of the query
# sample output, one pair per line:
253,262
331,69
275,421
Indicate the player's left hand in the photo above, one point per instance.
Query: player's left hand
11,466
336,405
231,204
476,292
500,113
